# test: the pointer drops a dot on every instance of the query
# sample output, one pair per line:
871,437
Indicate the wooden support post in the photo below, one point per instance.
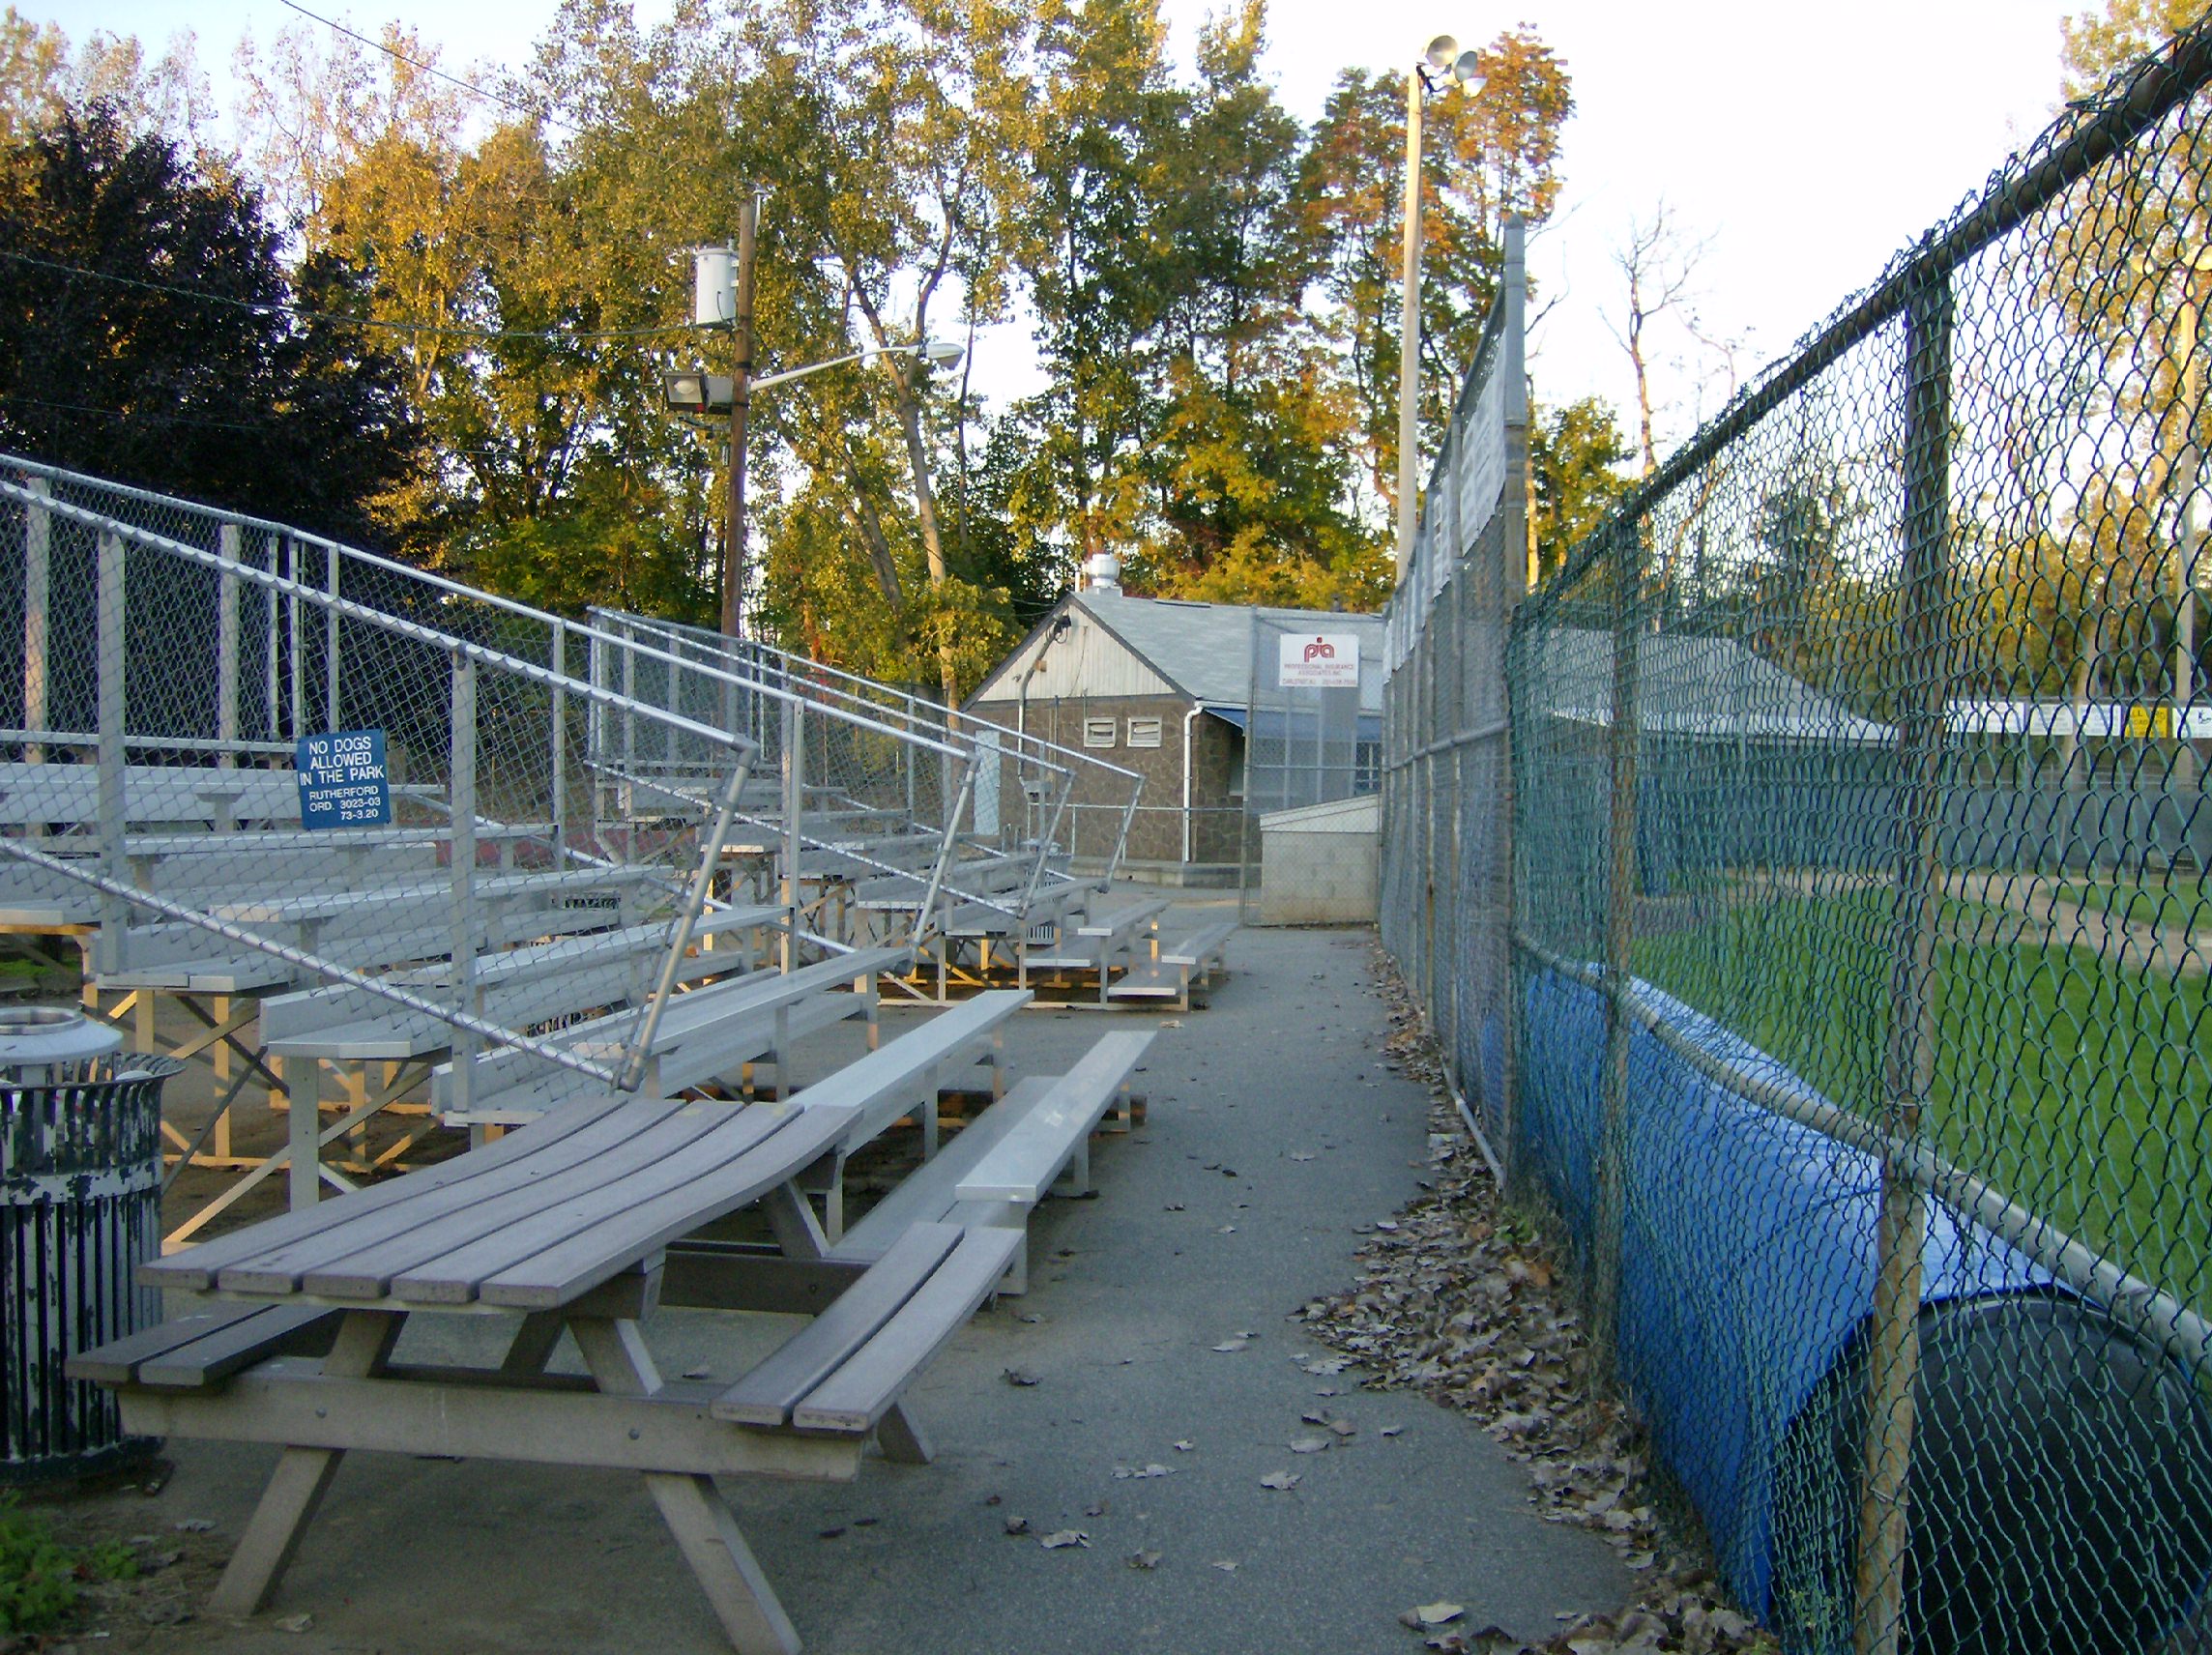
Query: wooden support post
302,1475
704,1532
1925,663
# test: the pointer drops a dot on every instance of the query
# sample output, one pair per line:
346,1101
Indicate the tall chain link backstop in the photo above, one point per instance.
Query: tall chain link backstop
1852,866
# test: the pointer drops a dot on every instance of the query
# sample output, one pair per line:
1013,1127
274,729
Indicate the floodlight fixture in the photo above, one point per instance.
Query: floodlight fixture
688,391
1441,50
1467,70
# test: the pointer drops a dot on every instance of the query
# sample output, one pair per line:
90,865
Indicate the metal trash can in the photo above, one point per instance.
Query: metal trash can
80,1195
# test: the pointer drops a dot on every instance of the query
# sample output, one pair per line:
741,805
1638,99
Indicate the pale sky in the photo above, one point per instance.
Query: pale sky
1803,143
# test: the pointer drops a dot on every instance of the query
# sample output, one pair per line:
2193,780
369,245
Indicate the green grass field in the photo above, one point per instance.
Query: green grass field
2183,903
2081,1089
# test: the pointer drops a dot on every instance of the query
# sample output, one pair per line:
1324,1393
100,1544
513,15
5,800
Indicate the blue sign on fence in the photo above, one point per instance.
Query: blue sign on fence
343,780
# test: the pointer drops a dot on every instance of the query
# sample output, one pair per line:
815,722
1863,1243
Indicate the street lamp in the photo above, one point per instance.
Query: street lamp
1441,67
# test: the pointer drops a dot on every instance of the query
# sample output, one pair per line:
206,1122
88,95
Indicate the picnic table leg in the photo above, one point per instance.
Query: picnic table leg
692,1507
533,1345
288,1504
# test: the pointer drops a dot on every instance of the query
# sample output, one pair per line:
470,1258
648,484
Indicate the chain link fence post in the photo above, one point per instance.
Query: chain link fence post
1924,659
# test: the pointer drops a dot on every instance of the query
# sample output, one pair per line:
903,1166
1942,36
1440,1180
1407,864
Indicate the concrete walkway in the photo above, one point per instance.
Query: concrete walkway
1274,1131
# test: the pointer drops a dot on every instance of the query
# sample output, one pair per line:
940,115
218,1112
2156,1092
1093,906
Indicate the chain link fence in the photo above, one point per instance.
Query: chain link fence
1312,750
1851,865
323,811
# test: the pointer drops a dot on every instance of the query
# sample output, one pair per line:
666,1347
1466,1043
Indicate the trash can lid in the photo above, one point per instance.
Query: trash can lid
32,1035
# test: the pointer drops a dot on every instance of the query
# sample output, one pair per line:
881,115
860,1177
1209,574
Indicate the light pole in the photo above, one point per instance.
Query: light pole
691,391
1443,59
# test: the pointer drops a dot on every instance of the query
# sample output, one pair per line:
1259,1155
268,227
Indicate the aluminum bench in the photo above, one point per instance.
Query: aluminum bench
996,1168
1187,963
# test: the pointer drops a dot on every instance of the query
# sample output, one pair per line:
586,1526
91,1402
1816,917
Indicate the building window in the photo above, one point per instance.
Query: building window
1367,768
1098,732
1144,731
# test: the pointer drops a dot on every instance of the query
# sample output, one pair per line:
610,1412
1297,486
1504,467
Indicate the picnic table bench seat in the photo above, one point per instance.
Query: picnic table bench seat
1189,961
569,1222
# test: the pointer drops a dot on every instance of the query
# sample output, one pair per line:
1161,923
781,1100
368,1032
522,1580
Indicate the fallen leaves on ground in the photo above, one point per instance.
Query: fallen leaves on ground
1062,1538
1144,1559
1463,1299
1282,1482
1433,1614
1020,1377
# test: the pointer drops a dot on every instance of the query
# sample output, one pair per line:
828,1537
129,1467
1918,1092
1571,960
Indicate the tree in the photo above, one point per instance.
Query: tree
149,332
41,78
1575,456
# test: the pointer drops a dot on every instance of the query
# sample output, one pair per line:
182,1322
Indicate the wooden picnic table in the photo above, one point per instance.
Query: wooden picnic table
568,1223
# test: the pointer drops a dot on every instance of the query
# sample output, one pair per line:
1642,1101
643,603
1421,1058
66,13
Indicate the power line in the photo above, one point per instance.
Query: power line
265,308
520,109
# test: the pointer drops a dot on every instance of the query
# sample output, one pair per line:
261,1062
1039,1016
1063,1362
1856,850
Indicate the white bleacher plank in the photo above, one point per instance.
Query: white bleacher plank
930,1193
1021,1166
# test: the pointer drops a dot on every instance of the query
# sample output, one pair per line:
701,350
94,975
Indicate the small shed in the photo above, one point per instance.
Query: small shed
1163,687
1319,864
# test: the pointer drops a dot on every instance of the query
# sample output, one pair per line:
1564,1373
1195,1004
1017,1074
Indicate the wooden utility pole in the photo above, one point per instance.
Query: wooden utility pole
741,400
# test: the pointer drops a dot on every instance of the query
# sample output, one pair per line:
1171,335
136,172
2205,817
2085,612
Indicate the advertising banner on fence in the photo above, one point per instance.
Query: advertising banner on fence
1320,660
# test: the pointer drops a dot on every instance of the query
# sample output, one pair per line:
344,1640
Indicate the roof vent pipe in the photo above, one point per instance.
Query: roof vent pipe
1102,573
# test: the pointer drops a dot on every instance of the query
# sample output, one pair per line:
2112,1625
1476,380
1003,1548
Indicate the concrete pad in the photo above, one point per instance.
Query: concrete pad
1127,1299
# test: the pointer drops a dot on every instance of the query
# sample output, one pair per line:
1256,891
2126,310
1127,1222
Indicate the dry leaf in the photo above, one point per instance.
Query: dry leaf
1390,1431
1184,1446
1229,1346
295,1623
1439,1614
1344,1428
1308,1444
1096,1508
1175,1206
1020,1377
1144,1559
1017,1526
1226,1229
1280,1481
195,1524
1225,1566
1060,1538
1300,1155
